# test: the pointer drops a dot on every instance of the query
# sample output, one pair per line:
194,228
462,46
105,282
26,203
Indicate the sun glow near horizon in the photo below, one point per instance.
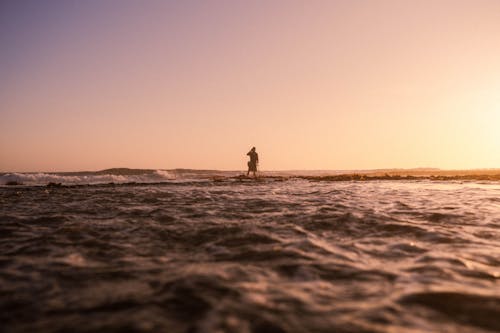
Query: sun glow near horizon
320,85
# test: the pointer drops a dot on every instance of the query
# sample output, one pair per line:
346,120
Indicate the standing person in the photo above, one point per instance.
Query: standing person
254,160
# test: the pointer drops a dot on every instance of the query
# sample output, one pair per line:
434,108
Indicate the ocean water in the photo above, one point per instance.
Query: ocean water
238,255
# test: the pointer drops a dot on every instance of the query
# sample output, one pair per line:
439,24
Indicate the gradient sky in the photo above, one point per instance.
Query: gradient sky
88,85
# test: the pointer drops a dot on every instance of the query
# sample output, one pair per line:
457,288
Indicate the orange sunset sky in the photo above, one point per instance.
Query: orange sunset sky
88,85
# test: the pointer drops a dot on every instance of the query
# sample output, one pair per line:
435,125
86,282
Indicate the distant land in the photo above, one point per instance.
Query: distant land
389,171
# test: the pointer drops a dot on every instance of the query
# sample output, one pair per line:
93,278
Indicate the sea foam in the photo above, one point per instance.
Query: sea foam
42,178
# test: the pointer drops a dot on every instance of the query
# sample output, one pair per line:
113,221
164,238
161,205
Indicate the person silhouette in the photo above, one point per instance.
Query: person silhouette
254,161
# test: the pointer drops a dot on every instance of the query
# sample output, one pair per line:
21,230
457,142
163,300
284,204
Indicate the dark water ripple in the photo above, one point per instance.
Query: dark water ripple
292,256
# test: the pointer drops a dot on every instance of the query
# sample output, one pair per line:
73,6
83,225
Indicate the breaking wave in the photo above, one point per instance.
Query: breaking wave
147,176
126,175
76,178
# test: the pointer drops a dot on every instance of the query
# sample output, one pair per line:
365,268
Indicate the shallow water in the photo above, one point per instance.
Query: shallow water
269,256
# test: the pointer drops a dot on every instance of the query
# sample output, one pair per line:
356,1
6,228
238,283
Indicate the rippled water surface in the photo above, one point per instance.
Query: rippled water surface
259,256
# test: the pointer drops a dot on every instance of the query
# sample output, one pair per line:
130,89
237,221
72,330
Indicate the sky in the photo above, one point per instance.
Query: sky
313,85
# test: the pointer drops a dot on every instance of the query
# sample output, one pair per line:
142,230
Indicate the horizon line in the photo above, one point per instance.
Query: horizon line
266,170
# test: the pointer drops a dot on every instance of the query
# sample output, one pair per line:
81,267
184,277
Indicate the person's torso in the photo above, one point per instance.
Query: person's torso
254,156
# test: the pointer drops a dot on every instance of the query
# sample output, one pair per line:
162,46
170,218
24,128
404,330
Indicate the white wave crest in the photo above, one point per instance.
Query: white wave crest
45,178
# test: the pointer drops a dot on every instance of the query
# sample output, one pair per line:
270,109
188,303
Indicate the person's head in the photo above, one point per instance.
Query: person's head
253,148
